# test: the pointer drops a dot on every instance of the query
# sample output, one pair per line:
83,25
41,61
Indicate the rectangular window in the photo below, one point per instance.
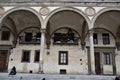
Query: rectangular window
57,37
38,34
70,37
37,56
38,37
28,37
95,39
5,35
26,56
62,71
107,58
106,39
63,57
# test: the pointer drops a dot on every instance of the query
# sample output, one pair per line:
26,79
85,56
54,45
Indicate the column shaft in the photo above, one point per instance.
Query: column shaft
42,50
92,54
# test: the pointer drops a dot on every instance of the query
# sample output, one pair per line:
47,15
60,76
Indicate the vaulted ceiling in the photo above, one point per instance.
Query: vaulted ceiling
19,20
68,19
109,20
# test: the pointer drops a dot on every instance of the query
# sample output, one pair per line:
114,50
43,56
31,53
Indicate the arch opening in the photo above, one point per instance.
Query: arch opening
18,20
70,19
106,26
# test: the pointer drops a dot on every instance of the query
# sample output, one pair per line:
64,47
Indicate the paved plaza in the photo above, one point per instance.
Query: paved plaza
23,76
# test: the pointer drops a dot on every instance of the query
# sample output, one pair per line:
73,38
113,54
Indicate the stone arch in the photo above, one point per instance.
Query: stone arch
8,29
64,28
102,12
26,29
22,8
66,8
16,9
105,30
110,23
83,21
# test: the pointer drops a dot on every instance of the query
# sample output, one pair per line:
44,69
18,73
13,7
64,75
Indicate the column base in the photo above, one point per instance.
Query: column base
93,73
40,72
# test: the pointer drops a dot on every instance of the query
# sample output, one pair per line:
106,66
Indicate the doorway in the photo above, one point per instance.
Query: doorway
97,63
3,60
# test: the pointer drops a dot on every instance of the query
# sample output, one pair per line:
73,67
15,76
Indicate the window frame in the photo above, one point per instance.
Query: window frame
65,57
95,42
35,56
107,58
2,36
23,55
57,37
104,39
63,71
28,36
38,37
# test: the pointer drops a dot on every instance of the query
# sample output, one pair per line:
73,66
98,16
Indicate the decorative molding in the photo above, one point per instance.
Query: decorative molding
4,47
43,30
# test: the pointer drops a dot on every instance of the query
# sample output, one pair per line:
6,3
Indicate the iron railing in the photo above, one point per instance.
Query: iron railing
30,40
66,41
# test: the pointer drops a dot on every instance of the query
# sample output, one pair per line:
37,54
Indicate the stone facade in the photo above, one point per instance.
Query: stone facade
82,21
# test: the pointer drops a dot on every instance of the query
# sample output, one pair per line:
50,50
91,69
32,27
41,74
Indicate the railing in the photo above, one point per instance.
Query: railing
66,41
30,40
75,1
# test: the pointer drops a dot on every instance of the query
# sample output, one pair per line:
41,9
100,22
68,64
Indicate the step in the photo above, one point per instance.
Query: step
24,76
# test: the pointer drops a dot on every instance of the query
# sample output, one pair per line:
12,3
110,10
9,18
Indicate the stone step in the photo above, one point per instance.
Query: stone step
24,76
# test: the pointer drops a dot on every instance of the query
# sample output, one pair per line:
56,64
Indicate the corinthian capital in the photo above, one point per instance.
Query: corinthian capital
43,30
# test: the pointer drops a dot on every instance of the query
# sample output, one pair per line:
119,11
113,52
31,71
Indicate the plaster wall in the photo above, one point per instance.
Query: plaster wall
16,56
75,65
51,65
117,58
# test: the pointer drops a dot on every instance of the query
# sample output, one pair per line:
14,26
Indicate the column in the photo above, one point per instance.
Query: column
92,53
0,32
0,26
42,50
114,63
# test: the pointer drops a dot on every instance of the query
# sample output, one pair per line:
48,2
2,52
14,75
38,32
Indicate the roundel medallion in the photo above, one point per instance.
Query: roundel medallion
90,11
44,11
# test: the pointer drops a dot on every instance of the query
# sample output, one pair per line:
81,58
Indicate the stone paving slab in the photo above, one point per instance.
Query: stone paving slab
22,76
